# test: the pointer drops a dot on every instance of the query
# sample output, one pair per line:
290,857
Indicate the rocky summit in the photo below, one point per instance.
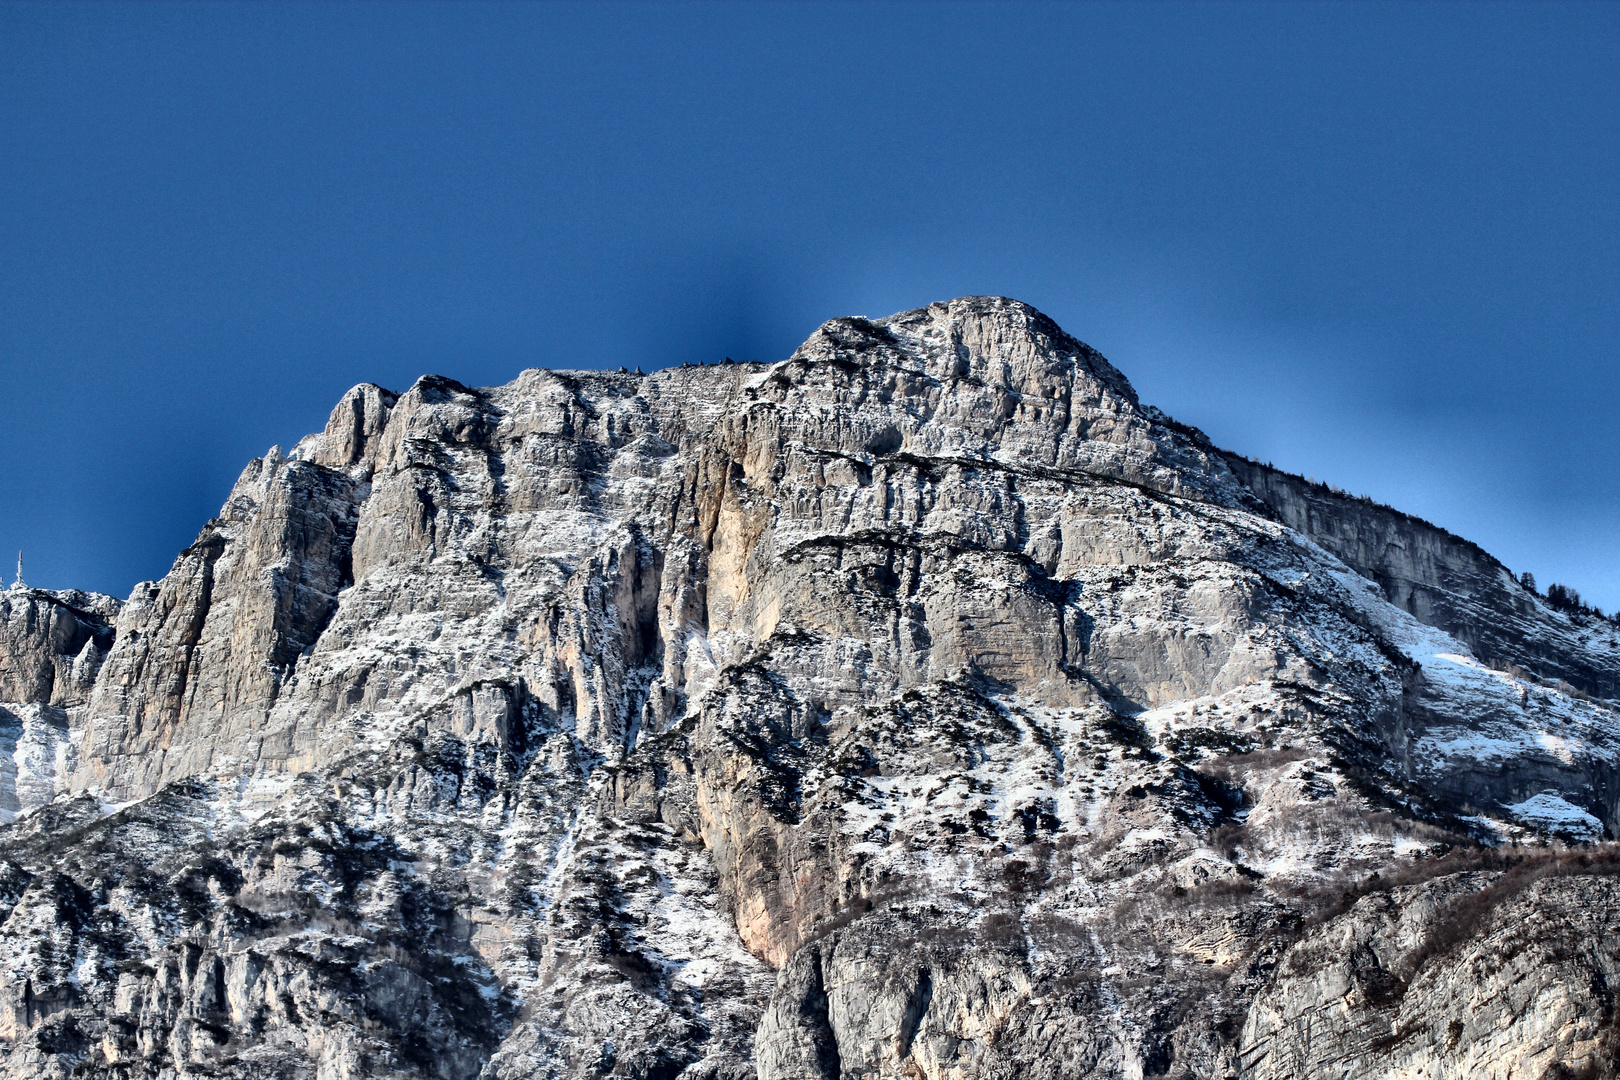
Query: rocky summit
922,705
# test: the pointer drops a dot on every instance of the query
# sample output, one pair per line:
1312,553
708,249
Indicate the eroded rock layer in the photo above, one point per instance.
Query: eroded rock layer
921,705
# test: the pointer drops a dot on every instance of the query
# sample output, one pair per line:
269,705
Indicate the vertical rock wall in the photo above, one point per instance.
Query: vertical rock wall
921,705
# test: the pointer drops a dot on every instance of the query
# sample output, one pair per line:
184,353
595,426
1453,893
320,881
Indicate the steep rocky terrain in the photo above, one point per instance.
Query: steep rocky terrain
921,705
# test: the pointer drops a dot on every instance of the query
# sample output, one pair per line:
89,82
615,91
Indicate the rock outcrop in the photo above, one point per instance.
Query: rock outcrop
52,645
921,705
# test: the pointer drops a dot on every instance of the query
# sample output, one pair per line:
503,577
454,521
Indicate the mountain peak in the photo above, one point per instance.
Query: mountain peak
921,705
991,338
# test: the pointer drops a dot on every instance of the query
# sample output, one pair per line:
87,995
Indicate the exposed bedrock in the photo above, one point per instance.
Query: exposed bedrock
1441,579
920,705
52,643
1486,975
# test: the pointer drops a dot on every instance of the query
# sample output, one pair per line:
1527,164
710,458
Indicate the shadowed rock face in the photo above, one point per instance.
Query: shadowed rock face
921,705
52,645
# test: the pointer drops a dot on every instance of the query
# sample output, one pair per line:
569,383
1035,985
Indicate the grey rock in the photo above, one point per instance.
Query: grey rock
1483,974
921,705
52,643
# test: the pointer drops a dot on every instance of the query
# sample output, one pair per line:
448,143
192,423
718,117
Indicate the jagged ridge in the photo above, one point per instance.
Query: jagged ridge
921,704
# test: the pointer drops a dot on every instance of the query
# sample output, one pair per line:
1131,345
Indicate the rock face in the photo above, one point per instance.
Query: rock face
921,705
1469,975
51,648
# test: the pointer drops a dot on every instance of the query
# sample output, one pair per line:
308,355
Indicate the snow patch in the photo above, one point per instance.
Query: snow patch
1555,814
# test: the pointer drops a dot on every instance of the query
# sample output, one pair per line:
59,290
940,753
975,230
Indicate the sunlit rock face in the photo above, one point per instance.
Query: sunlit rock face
921,705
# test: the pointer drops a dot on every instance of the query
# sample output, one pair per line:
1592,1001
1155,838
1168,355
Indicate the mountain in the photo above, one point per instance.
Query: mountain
919,706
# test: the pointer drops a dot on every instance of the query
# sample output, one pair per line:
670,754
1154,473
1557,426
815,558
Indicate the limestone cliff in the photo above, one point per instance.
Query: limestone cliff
921,705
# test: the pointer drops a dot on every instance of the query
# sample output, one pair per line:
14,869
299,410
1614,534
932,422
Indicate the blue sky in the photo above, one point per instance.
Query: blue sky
1379,245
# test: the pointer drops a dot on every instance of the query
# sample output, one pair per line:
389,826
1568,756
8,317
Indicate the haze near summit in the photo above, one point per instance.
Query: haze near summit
1378,245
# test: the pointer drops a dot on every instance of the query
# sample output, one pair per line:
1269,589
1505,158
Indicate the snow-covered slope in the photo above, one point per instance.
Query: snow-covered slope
919,705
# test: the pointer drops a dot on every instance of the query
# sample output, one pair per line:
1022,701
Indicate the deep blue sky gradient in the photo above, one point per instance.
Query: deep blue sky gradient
1379,245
